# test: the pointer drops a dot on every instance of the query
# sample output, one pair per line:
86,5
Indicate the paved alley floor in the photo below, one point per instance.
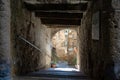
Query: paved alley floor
53,75
43,78
62,72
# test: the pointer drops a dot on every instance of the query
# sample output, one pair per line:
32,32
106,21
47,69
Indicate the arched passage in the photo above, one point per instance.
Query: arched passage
64,43
99,58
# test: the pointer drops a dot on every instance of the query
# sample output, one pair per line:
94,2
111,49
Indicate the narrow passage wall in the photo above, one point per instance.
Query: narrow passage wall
114,21
4,40
25,25
100,56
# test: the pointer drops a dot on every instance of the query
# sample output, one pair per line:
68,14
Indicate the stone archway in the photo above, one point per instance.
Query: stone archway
64,42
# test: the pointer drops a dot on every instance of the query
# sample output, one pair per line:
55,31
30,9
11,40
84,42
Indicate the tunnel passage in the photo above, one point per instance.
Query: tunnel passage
28,28
64,43
29,31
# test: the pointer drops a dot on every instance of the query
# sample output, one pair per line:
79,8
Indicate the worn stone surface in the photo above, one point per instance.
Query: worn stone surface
85,42
114,36
102,61
25,57
116,43
105,59
96,55
55,29
116,4
99,58
4,30
4,40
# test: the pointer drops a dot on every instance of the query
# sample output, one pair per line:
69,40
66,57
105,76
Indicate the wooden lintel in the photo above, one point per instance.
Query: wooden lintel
60,11
58,15
60,21
61,6
62,26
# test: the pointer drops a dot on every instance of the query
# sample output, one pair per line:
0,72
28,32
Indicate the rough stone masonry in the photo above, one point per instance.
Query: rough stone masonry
4,39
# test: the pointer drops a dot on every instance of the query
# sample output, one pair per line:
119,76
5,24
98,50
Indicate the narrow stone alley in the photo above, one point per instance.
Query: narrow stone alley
59,39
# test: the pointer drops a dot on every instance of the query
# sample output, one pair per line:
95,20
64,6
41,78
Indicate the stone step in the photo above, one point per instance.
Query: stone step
58,74
42,78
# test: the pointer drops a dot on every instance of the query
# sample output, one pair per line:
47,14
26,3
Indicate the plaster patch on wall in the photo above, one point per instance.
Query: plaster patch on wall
95,26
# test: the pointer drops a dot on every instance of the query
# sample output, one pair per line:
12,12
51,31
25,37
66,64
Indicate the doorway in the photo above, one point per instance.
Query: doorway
65,50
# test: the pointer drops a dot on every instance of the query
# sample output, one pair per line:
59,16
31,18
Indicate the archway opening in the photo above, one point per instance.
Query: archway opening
65,50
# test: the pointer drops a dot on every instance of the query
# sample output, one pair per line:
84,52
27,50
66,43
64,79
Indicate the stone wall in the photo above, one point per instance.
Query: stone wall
25,25
96,54
55,29
106,61
102,60
44,35
85,41
99,58
114,35
5,40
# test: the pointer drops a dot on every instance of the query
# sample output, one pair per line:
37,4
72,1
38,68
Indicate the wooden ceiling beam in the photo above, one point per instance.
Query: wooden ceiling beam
62,26
59,15
61,6
53,21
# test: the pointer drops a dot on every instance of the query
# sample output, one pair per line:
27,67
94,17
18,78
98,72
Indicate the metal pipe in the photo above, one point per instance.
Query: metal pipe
31,44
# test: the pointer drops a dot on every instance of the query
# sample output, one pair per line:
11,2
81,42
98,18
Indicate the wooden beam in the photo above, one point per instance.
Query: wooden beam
53,21
61,2
63,26
59,15
60,11
61,6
